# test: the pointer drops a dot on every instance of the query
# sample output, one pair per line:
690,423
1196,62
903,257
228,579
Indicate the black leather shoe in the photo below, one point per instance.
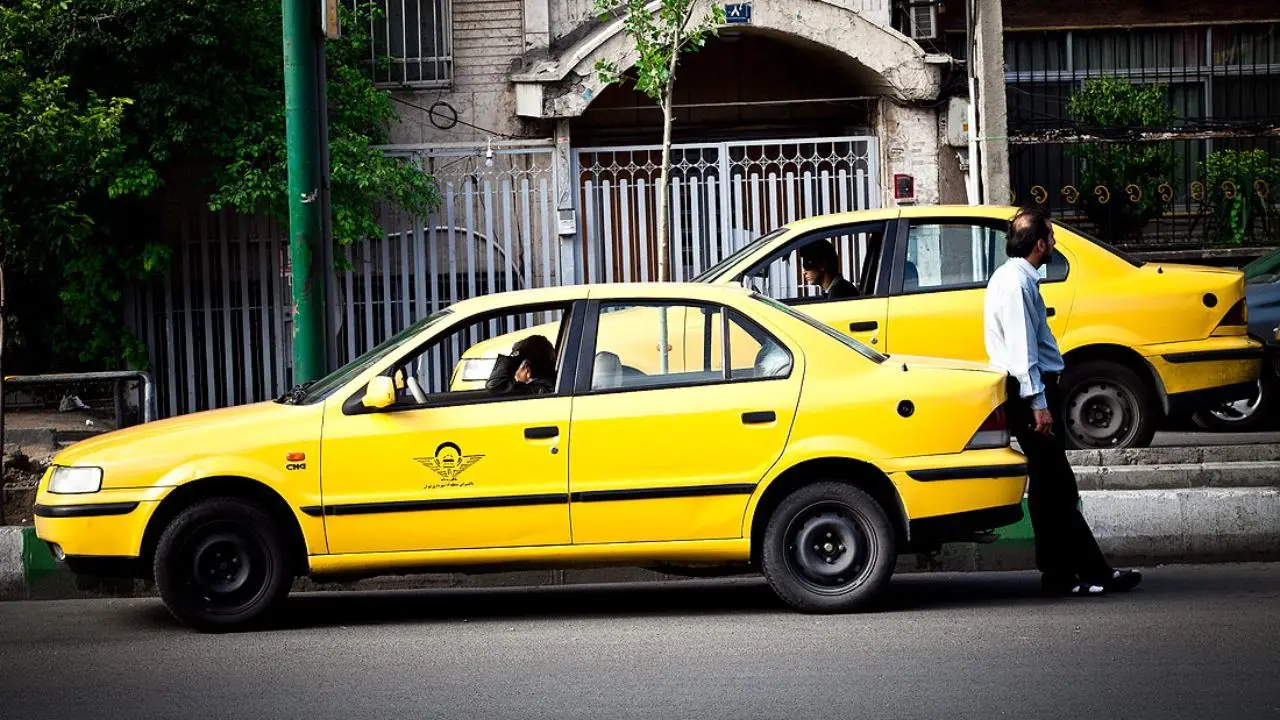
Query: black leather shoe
1122,580
1051,587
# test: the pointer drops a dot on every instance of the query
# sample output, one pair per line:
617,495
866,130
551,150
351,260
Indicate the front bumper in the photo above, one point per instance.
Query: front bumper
103,529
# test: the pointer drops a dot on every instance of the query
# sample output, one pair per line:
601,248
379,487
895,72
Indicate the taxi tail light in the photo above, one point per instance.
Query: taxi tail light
1237,316
993,433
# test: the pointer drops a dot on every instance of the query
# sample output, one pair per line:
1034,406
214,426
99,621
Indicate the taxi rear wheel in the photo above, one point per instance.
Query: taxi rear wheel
828,547
1106,405
221,564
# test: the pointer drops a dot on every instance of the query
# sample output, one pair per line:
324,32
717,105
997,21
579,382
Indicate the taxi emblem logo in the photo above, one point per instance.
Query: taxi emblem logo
449,462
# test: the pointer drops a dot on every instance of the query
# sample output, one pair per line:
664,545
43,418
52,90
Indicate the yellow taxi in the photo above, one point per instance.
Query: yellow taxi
779,445
1142,341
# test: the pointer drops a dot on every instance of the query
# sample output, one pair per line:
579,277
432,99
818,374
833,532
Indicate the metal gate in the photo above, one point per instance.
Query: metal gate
218,326
721,196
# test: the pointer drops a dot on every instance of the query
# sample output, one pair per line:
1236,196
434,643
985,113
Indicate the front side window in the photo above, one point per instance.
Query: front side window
509,354
836,264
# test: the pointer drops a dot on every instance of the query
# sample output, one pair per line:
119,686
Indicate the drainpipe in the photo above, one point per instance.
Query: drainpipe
974,179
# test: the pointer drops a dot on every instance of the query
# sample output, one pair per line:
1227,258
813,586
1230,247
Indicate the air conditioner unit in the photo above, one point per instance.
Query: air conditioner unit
924,21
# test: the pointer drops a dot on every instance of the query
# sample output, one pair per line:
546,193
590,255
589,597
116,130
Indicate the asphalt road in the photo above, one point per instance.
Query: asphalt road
1192,642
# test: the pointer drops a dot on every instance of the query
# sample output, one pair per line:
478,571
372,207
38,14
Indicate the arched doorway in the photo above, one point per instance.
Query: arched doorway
769,128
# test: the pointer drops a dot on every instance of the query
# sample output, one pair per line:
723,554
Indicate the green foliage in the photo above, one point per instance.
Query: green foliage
1130,172
659,39
124,97
255,175
1242,196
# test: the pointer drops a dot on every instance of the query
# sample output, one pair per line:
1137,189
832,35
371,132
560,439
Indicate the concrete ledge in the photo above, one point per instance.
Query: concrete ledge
12,580
1176,455
1170,477
1133,527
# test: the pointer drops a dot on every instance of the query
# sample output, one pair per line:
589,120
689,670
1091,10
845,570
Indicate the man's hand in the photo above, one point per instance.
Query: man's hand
1044,422
524,373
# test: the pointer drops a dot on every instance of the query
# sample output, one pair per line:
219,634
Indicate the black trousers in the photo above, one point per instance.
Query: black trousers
1066,550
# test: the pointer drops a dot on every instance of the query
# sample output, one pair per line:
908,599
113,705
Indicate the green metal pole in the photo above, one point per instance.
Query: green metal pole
302,131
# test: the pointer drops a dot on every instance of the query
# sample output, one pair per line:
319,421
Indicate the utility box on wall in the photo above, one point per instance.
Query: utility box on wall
958,122
904,187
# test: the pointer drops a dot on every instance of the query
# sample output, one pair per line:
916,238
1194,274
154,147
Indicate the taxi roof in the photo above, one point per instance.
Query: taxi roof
566,293
818,222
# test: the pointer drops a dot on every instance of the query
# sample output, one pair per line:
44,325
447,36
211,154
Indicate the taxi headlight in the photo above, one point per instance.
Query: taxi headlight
474,369
75,480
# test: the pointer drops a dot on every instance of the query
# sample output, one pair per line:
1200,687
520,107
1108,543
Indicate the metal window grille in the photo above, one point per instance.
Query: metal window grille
412,42
1223,86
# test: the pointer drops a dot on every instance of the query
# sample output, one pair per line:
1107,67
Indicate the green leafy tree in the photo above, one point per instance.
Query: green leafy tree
1242,194
1130,172
195,89
660,38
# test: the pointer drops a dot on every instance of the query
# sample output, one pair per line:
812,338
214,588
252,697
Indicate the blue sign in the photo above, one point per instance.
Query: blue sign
737,13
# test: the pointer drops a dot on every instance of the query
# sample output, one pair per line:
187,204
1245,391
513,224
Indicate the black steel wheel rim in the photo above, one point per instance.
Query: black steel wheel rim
225,565
1102,414
829,549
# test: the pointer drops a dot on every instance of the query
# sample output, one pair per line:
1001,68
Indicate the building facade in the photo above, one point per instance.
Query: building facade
548,176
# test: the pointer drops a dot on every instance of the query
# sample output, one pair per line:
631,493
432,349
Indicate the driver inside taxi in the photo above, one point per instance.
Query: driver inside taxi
530,369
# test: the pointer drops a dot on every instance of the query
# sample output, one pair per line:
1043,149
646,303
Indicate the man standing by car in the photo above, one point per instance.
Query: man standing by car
1019,341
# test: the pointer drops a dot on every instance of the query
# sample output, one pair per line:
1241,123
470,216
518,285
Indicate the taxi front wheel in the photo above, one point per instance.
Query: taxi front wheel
828,547
221,564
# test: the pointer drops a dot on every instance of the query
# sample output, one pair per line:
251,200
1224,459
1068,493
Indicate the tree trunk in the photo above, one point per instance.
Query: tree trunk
664,216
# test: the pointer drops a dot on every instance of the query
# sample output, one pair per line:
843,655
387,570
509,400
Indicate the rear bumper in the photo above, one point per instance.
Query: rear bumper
1199,399
930,532
1192,374
948,498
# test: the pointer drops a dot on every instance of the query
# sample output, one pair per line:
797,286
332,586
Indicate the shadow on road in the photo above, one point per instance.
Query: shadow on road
739,596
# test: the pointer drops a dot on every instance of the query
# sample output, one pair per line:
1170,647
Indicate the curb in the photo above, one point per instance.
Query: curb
1133,527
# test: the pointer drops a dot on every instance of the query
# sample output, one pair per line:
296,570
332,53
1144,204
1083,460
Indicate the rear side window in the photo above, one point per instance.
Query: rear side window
643,345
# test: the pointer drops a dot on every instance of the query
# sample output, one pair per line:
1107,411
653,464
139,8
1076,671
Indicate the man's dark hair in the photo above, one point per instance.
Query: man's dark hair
820,253
540,353
1028,227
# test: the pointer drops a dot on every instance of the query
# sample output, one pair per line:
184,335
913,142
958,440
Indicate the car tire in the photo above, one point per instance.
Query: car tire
221,565
1240,416
1106,405
828,548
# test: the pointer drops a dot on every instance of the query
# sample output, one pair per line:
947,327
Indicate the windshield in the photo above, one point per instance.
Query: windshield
713,272
325,386
1263,269
1105,246
849,342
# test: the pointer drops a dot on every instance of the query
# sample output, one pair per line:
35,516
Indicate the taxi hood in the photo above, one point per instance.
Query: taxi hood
133,456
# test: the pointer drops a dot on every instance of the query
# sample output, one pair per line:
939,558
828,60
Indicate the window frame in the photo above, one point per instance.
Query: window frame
880,274
589,336
904,235
571,326
445,60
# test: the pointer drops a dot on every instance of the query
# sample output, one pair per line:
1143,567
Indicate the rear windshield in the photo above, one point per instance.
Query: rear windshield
831,332
1105,246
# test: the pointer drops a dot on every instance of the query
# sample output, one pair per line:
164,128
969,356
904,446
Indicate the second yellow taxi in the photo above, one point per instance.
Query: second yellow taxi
1143,341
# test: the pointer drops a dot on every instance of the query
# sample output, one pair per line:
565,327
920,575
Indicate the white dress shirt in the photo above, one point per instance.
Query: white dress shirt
1016,329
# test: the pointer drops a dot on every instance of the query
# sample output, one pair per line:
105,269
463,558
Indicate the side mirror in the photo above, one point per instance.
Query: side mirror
380,393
